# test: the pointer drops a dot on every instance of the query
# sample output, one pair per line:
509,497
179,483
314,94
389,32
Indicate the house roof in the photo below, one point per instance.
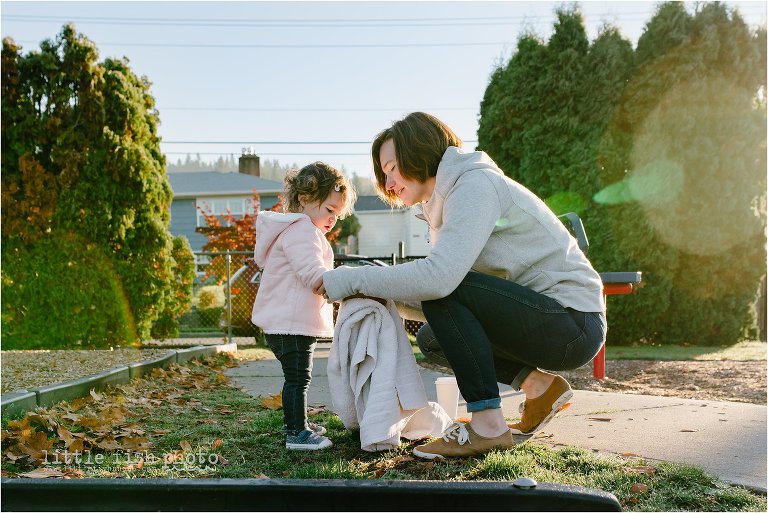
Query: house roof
217,183
371,203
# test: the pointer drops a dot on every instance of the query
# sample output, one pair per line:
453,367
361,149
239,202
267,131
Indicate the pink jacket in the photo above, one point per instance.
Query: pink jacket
293,255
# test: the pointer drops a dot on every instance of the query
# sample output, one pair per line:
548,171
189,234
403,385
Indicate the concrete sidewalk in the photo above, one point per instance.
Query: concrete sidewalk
726,439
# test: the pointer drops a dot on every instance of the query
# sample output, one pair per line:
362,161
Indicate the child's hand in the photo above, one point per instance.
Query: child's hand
363,296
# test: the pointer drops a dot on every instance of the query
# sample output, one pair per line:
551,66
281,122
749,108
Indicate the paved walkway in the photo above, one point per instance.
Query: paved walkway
726,439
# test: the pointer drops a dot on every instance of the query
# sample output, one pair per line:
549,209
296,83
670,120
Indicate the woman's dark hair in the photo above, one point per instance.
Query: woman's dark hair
420,142
313,183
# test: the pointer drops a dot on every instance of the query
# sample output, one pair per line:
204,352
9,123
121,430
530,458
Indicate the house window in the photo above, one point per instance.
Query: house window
201,262
220,206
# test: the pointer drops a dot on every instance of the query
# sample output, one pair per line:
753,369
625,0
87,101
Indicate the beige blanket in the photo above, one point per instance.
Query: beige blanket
374,379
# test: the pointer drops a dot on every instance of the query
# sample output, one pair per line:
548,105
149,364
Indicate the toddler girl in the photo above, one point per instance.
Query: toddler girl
293,253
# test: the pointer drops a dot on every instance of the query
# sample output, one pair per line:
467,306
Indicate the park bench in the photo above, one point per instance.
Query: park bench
614,283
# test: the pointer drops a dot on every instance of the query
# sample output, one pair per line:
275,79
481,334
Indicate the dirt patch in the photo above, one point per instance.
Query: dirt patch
726,380
714,380
29,369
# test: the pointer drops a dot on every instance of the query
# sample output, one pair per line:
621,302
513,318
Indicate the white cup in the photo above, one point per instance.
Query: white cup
448,395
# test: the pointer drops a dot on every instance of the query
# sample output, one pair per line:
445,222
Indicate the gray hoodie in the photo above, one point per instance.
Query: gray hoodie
483,221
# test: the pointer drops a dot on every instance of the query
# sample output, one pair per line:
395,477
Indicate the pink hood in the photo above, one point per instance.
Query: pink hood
293,255
269,226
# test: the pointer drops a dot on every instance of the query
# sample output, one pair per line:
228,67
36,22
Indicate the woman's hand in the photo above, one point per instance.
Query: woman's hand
320,291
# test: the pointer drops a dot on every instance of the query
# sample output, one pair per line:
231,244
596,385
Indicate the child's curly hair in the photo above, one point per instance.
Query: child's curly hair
313,183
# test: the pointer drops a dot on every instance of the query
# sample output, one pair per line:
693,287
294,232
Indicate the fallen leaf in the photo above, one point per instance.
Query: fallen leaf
260,476
649,471
221,459
217,443
639,488
688,430
185,445
73,472
95,395
272,402
601,419
42,473
171,457
629,454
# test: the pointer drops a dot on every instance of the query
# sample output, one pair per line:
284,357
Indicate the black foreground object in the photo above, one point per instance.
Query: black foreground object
295,495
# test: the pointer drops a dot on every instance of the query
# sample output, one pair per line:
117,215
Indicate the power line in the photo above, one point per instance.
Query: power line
266,154
300,23
292,46
258,109
325,23
274,142
266,142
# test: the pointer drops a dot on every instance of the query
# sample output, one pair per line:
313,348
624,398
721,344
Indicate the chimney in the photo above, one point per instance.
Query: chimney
249,162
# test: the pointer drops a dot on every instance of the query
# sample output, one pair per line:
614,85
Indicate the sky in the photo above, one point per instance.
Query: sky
306,81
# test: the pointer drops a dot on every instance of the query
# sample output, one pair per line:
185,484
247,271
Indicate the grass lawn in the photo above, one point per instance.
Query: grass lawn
743,351
189,422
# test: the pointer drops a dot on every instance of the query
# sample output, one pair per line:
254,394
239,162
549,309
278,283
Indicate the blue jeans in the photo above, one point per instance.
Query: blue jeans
295,355
491,330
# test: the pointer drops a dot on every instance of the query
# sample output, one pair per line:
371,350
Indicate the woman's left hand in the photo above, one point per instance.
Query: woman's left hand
320,291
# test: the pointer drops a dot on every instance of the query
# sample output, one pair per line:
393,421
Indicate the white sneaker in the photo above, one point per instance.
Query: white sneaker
307,440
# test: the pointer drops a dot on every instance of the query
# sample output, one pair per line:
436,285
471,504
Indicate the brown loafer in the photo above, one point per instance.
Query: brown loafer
460,441
537,412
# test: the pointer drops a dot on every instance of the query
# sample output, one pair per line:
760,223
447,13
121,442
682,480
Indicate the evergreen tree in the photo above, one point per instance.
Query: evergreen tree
690,178
662,153
83,188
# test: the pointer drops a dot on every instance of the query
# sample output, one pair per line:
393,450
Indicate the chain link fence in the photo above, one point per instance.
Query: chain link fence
226,287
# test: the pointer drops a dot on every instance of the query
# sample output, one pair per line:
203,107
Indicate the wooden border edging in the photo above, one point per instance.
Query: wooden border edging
139,369
51,394
48,395
295,495
17,401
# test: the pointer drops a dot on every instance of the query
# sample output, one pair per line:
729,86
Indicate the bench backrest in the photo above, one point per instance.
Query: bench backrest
572,221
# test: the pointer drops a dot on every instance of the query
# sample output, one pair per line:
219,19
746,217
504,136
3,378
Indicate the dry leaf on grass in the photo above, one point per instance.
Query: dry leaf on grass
316,409
272,402
221,459
639,488
42,473
641,469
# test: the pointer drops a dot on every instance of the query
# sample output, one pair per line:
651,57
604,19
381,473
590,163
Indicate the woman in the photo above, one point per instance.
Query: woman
505,289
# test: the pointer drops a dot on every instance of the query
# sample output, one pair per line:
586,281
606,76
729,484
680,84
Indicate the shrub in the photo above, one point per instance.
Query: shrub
61,293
